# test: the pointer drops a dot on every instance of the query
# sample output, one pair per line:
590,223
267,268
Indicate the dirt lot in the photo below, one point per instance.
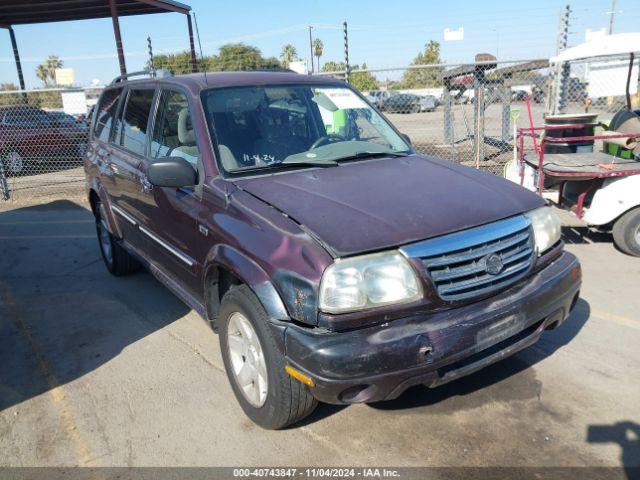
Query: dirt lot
104,371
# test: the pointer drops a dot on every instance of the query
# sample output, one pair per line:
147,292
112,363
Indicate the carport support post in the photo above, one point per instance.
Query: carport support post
116,32
16,55
194,62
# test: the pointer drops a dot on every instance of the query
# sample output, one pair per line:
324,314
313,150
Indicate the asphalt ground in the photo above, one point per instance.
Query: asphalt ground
104,371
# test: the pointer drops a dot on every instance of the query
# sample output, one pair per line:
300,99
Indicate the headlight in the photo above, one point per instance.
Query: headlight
368,281
546,228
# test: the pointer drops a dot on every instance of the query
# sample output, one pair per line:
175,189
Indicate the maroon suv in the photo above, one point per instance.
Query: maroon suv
335,263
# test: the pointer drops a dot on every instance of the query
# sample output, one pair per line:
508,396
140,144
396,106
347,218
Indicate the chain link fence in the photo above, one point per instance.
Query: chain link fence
43,138
466,113
470,113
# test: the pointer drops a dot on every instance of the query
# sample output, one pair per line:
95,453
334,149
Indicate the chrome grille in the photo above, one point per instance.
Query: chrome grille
464,265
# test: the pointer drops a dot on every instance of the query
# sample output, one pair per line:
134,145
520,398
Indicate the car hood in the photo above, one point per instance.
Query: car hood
383,203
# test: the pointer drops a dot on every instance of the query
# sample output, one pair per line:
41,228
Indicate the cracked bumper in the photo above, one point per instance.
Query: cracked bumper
380,362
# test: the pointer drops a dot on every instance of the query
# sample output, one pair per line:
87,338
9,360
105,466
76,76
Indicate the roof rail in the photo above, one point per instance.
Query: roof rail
122,78
274,69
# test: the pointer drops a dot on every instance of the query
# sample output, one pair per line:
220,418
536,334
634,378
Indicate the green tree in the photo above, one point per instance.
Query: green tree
332,66
363,81
46,71
176,63
318,48
233,56
425,77
288,54
9,98
239,56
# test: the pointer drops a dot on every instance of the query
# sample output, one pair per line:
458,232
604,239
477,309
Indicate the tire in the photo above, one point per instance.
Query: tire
626,232
14,163
279,401
118,261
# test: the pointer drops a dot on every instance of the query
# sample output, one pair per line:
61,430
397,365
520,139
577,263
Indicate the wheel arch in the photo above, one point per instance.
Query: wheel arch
97,194
226,266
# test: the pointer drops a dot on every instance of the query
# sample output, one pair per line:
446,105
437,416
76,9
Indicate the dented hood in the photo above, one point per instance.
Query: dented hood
384,203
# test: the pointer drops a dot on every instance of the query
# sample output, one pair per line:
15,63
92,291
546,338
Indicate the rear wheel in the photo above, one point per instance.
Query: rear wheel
626,232
118,261
255,365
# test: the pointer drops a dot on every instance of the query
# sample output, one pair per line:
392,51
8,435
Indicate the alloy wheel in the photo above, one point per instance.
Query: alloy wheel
248,364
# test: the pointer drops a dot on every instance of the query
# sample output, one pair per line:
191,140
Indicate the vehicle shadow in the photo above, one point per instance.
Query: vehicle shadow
584,235
550,342
627,435
62,315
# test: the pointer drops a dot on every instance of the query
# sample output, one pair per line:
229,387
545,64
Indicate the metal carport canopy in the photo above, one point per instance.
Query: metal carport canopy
26,12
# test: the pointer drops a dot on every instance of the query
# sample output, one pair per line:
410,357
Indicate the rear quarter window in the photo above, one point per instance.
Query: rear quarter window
106,110
132,133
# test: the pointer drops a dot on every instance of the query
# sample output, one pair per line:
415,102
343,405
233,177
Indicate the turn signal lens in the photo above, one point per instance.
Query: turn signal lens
301,377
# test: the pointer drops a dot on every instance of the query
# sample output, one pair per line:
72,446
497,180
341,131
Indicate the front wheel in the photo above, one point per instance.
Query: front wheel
255,364
626,232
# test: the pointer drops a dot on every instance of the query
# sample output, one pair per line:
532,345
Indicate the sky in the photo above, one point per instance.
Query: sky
382,34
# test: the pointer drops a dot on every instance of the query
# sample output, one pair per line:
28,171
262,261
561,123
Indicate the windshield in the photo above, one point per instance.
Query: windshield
283,126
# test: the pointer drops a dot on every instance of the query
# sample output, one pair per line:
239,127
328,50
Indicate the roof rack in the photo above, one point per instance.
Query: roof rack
159,73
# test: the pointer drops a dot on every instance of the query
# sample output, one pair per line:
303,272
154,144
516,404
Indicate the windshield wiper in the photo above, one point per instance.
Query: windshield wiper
360,155
284,165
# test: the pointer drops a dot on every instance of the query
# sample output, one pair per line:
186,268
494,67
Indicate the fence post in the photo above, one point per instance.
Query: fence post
448,117
346,53
152,67
562,71
4,184
506,112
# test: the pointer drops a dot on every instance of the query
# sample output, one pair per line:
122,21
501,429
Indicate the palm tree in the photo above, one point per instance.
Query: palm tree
46,71
318,46
41,73
288,55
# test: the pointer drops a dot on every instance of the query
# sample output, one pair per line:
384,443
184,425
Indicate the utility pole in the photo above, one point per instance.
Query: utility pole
563,29
311,47
562,71
612,14
346,53
151,65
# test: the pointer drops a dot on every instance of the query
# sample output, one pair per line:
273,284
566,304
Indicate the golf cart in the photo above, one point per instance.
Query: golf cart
594,166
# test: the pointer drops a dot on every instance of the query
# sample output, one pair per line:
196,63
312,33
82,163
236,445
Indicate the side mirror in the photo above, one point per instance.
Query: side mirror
406,138
172,172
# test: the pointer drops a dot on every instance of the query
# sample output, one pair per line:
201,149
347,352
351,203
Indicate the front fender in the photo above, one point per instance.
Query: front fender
615,197
250,273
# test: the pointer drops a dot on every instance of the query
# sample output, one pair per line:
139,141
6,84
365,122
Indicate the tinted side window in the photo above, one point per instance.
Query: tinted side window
135,120
105,113
173,133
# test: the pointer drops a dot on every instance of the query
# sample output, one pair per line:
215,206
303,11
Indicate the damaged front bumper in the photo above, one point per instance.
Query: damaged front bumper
380,362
